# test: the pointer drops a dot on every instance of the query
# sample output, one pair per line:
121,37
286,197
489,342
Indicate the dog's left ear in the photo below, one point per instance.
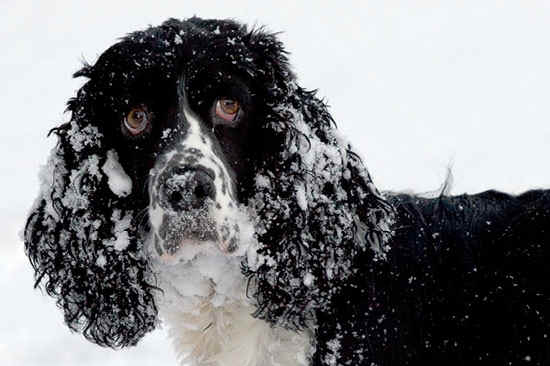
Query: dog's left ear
315,202
82,234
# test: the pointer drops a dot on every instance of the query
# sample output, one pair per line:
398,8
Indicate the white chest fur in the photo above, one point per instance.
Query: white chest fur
208,315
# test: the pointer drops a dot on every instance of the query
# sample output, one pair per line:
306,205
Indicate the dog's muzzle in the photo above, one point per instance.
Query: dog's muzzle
189,208
192,195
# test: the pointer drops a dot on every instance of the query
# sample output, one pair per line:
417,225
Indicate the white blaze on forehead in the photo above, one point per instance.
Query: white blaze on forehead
198,140
224,212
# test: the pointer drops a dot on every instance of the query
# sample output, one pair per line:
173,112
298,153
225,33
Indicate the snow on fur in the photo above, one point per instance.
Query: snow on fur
310,210
73,244
119,182
314,215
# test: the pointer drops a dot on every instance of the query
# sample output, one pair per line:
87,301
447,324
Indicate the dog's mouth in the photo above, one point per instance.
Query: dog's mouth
179,230
181,236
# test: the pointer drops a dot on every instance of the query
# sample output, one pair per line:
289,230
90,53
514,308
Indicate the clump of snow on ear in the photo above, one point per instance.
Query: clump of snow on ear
262,181
101,261
82,137
77,196
301,196
120,230
119,182
309,279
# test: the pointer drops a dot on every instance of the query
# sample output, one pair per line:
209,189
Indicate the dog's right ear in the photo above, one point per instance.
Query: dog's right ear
81,236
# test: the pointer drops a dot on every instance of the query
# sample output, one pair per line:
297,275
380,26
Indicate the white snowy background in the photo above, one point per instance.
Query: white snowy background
417,86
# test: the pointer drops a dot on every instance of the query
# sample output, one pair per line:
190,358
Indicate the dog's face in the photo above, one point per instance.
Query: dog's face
181,134
183,131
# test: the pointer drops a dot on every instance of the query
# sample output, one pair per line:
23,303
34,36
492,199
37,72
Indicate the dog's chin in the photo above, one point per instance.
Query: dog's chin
201,263
210,232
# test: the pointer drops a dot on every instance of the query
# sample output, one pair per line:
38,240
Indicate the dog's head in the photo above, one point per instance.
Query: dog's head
182,134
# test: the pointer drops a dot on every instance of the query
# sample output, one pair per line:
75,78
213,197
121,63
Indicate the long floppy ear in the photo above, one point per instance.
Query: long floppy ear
316,205
82,239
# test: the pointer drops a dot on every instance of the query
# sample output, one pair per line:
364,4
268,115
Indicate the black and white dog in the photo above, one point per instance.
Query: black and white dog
198,181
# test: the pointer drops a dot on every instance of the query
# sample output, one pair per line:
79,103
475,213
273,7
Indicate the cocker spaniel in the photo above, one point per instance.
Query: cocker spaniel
197,182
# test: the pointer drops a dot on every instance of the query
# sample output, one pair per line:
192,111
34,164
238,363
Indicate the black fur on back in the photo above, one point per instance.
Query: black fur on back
465,283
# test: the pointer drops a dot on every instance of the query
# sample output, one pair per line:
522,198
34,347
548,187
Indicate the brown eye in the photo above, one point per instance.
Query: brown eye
137,120
227,109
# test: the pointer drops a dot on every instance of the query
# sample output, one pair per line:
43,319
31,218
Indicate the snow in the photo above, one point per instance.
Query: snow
82,137
120,231
262,181
119,182
309,279
331,359
101,261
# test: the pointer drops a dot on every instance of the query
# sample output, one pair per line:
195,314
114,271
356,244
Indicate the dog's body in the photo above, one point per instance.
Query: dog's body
198,180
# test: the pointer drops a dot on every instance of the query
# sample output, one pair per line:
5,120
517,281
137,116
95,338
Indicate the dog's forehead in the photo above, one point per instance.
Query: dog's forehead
177,47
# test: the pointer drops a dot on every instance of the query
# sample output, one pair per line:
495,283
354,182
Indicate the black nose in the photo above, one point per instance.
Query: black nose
187,188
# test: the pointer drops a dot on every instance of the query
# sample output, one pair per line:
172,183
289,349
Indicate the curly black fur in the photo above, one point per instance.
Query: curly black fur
395,280
66,234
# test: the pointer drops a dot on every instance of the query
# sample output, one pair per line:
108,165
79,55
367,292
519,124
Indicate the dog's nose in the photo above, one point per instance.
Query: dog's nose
187,188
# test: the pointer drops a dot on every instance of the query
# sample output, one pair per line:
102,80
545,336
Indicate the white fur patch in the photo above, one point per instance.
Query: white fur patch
209,318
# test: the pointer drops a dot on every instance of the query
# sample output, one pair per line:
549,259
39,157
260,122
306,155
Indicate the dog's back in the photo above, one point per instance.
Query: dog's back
466,282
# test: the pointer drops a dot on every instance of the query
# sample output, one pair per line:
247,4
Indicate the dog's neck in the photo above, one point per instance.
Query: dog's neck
208,316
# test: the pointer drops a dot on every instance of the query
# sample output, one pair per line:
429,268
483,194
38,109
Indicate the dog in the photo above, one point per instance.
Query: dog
198,183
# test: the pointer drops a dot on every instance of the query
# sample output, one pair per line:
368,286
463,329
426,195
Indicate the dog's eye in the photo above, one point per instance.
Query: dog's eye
228,109
137,120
